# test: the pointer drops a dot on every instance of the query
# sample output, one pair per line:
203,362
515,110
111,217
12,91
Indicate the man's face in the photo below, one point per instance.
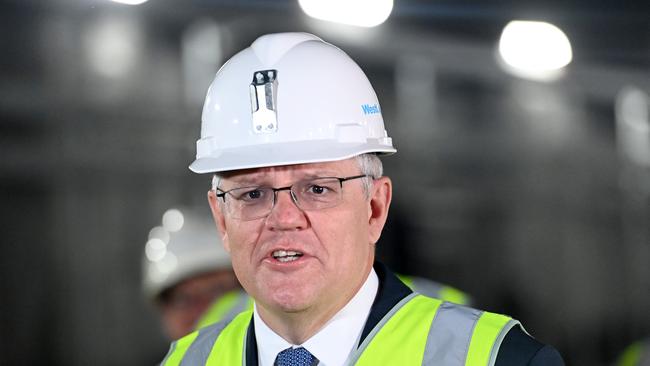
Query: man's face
183,305
337,243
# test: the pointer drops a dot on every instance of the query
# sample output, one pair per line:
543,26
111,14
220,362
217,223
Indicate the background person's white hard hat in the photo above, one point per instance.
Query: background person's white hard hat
185,244
289,98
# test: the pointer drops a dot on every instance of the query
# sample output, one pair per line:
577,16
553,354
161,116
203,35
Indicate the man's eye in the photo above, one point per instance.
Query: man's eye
253,195
249,195
317,189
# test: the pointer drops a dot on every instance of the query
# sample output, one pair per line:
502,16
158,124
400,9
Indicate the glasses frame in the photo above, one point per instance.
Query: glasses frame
223,193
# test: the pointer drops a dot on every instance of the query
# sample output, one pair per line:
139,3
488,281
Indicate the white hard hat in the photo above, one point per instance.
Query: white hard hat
186,244
289,98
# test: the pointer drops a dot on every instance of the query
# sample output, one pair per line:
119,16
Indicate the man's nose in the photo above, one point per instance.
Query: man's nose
285,214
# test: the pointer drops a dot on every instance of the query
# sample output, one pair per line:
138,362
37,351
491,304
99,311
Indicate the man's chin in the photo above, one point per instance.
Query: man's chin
290,302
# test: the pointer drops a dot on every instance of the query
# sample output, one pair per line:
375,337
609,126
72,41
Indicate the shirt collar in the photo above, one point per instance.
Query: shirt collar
333,344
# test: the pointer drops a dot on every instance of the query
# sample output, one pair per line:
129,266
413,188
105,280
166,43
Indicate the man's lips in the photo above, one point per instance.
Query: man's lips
285,248
285,256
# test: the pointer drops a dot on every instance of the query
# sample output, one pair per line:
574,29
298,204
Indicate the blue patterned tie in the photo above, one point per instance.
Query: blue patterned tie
295,357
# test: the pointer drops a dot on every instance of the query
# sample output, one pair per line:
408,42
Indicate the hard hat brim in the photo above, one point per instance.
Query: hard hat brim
302,152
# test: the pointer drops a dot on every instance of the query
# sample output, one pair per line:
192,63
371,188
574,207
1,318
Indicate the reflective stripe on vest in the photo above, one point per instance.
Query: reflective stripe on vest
417,331
198,348
226,308
400,337
455,335
434,289
489,332
177,350
229,349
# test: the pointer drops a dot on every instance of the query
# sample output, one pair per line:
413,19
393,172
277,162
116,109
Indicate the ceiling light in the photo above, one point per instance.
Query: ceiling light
536,50
362,13
113,46
130,2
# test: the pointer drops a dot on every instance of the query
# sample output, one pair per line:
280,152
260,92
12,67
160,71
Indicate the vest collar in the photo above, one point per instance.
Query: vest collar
390,292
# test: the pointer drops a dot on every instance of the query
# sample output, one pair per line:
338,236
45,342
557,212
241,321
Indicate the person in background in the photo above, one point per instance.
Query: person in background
186,270
435,289
291,133
636,354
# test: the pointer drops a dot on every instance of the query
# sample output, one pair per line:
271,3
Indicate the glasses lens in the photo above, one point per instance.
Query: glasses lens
318,193
249,203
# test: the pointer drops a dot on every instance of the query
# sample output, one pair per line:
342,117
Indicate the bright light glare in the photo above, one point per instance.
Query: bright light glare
173,220
113,46
167,264
534,49
362,13
202,54
633,124
159,232
130,2
632,108
155,274
155,249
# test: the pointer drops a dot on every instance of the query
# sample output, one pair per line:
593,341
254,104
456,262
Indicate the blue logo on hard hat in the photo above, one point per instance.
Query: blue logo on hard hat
370,109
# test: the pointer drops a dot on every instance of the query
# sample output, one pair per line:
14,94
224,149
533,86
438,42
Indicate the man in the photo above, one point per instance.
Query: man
186,270
291,131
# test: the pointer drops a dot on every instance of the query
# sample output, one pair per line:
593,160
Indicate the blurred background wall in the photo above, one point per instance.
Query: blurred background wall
532,196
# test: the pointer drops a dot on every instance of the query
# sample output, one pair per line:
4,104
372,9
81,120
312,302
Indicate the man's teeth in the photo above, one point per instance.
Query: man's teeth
286,255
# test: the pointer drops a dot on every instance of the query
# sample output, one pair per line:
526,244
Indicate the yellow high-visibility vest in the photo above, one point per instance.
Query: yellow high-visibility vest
418,331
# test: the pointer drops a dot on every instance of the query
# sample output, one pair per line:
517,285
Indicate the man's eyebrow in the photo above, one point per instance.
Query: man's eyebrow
256,180
318,174
247,182
261,179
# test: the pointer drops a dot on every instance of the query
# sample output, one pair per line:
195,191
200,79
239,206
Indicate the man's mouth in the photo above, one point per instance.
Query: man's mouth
286,255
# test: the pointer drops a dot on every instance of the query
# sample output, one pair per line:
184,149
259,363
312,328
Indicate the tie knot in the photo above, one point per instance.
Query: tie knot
295,357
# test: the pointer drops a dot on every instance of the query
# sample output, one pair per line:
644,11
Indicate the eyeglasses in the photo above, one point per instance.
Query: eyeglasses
250,203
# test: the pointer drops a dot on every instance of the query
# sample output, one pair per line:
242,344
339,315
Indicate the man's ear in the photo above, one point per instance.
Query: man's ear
381,195
219,219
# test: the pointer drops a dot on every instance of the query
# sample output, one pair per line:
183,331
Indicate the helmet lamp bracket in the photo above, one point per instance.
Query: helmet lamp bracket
263,90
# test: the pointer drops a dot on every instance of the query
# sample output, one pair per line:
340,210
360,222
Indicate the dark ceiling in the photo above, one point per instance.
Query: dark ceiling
602,32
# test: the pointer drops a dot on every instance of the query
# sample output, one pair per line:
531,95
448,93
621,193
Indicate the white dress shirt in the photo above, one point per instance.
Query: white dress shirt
333,344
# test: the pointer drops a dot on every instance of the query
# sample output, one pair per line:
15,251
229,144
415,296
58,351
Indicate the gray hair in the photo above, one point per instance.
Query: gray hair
369,164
